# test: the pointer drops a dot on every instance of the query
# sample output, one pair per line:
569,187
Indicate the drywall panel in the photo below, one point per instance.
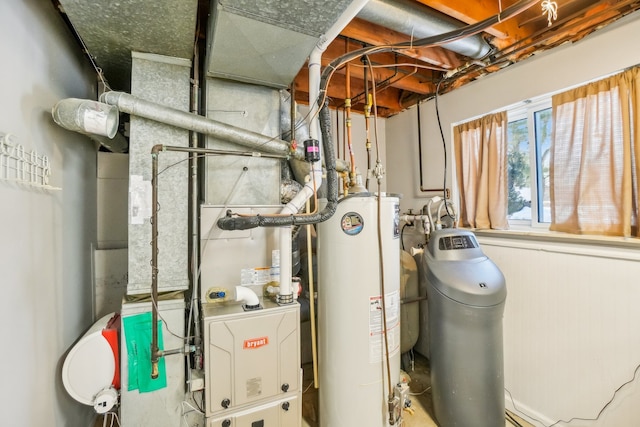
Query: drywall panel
110,280
569,330
47,236
113,188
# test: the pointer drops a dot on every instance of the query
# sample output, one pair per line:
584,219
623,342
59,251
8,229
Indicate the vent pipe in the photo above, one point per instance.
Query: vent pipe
418,21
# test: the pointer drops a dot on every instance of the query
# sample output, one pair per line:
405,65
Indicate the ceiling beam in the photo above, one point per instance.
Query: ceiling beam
388,98
471,12
414,79
376,35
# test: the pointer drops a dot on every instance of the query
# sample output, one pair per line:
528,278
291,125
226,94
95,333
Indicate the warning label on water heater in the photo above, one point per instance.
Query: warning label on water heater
376,331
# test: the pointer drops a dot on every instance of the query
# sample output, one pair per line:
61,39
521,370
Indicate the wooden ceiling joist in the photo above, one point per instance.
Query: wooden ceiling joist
513,40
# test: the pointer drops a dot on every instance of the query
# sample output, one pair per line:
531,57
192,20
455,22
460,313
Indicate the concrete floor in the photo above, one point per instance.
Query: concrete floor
419,415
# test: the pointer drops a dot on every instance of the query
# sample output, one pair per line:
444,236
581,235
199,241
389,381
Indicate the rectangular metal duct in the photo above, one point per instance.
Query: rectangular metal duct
111,30
266,41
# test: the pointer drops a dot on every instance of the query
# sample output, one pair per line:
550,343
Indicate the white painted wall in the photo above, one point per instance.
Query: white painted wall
570,335
46,236
571,315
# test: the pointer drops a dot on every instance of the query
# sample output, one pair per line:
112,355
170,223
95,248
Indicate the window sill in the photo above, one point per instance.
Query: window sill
541,235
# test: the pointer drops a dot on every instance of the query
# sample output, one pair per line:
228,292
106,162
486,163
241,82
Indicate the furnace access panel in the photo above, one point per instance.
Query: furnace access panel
252,361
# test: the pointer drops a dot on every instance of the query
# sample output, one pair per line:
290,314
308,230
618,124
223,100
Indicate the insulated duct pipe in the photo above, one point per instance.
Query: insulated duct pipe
130,104
418,21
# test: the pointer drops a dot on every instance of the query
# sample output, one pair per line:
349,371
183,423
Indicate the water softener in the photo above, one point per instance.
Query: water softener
466,294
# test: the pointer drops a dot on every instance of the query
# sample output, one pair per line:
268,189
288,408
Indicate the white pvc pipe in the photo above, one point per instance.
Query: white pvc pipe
247,296
285,262
315,62
315,182
432,200
411,218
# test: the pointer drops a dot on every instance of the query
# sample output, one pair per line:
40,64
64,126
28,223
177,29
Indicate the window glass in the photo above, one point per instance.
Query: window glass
528,154
543,120
518,168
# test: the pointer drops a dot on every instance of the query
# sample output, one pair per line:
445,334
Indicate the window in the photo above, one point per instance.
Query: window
593,187
528,153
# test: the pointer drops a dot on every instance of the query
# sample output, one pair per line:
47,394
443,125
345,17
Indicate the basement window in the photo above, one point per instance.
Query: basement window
528,152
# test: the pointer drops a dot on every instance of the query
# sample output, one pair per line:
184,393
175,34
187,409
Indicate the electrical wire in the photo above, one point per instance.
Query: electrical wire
431,41
402,234
250,154
375,114
420,393
166,325
97,69
402,64
444,149
192,409
606,405
114,417
380,251
201,404
315,203
512,420
307,387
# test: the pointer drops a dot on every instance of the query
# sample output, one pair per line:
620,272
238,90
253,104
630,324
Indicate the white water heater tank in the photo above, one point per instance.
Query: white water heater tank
352,349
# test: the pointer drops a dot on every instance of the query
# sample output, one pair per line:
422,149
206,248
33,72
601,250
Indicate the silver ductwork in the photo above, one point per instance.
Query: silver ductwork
111,30
417,21
181,119
266,42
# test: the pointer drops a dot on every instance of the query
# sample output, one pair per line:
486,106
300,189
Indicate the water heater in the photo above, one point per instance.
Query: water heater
352,347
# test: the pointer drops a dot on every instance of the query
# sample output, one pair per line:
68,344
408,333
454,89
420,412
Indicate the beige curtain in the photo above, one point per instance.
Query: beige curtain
594,160
481,164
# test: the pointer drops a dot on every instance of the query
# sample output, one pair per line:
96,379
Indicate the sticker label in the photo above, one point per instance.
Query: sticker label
376,331
254,387
352,223
254,343
396,221
140,200
255,276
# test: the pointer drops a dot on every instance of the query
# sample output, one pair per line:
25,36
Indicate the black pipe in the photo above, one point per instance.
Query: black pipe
243,223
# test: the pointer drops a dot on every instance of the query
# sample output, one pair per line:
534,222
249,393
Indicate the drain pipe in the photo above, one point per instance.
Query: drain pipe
315,64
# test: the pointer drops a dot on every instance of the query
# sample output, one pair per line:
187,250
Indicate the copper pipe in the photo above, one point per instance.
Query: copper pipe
156,353
367,113
347,102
